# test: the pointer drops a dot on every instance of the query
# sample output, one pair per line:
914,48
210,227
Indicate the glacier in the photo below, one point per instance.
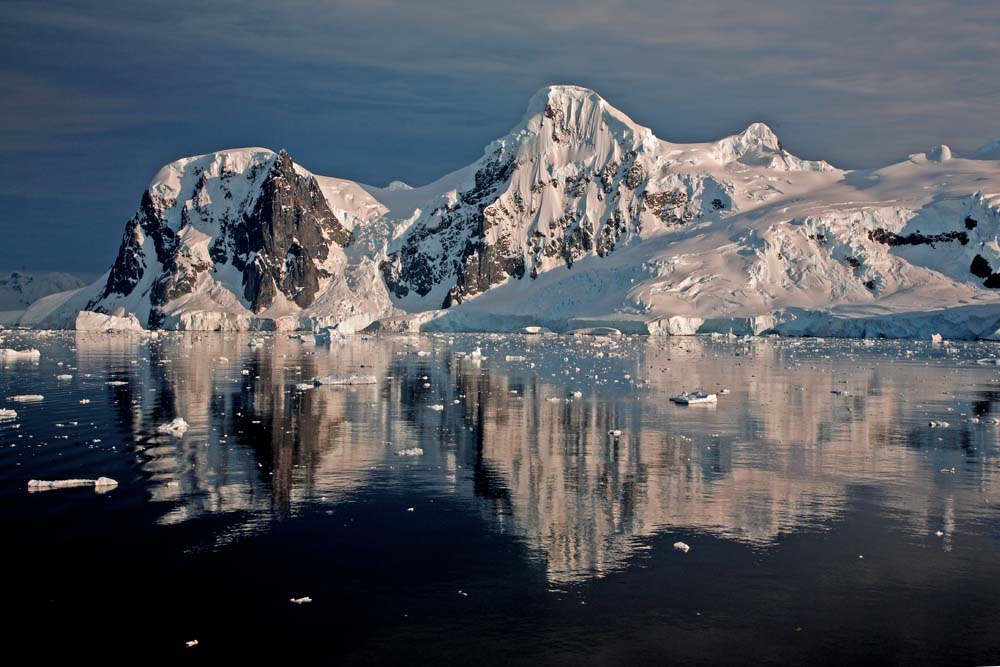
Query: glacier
577,218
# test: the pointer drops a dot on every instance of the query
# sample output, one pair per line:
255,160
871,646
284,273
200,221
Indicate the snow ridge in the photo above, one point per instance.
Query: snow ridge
577,217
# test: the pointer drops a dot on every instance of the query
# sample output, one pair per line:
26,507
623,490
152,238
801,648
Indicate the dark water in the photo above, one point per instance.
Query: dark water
534,536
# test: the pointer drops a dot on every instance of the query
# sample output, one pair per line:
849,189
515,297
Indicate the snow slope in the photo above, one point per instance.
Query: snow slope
577,217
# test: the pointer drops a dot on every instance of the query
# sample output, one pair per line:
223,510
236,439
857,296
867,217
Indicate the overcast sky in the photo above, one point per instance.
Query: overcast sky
98,95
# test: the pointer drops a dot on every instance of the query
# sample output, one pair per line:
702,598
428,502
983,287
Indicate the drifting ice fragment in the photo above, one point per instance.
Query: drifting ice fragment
174,428
26,398
681,546
694,399
344,379
32,354
100,484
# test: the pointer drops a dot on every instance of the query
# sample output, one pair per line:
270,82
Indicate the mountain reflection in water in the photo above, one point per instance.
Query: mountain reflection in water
778,454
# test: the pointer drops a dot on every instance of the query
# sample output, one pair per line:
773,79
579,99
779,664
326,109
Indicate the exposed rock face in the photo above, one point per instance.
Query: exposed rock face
282,244
455,246
130,264
273,226
893,239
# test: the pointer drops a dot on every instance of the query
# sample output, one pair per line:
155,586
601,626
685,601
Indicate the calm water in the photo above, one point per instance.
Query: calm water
534,536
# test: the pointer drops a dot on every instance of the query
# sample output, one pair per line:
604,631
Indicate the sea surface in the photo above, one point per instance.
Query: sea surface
827,521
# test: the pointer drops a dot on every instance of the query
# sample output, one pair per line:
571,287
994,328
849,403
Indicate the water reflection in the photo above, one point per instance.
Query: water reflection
804,426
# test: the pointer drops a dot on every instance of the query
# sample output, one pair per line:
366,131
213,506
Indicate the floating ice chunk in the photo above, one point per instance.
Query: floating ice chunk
7,414
596,331
697,398
305,600
26,398
31,354
353,378
175,428
100,484
87,320
939,424
438,407
412,451
681,546
104,484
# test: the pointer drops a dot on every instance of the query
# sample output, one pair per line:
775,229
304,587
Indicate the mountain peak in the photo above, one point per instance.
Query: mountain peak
759,134
562,115
988,151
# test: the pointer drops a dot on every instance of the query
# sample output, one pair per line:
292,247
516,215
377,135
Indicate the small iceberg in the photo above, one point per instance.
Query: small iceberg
26,398
175,428
353,378
697,398
100,484
29,355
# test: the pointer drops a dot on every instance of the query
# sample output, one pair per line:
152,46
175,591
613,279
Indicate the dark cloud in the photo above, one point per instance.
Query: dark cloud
99,95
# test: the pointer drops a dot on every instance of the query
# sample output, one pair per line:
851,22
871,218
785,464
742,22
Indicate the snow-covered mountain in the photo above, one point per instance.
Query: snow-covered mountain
19,289
577,217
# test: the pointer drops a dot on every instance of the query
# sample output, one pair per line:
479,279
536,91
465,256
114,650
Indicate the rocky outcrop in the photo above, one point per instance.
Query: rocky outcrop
281,245
262,216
